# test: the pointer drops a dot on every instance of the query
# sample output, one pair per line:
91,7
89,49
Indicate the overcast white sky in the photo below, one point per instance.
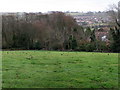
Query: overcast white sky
54,5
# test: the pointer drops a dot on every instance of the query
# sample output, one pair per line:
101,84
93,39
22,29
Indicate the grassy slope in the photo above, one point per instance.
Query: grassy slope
52,69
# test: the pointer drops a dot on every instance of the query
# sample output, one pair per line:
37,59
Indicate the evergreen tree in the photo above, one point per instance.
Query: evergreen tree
115,46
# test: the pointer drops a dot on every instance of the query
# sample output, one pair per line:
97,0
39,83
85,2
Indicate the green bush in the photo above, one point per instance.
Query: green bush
90,47
37,45
82,47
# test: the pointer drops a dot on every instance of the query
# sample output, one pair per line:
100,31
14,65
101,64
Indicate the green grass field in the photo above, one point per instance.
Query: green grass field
53,69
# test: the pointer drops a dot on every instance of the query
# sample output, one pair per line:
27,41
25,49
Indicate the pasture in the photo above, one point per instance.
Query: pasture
54,69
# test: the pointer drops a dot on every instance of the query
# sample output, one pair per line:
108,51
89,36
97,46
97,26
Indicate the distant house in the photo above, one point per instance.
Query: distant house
102,34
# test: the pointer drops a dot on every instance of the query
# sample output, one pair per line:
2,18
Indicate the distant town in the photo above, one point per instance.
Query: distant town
92,19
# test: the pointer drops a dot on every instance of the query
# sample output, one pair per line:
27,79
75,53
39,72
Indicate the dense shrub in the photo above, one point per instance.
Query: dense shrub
90,47
115,45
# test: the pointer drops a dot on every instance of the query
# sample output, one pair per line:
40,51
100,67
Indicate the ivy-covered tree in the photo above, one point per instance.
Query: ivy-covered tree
115,46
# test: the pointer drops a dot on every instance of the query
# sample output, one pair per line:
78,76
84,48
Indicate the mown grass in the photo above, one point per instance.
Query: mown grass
53,69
